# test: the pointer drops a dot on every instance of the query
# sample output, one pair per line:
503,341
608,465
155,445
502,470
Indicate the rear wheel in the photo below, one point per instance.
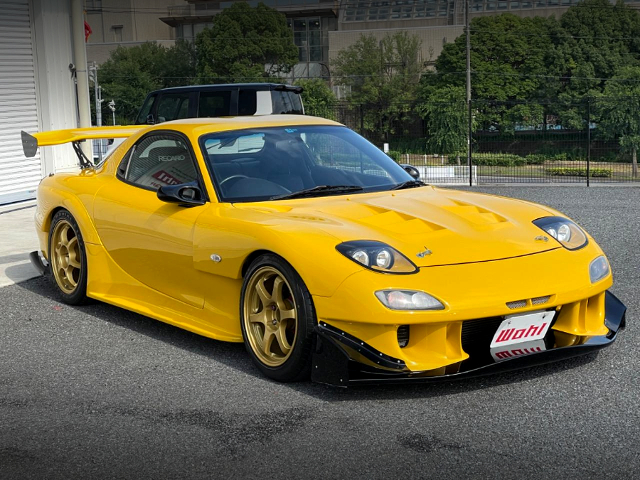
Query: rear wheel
277,318
68,258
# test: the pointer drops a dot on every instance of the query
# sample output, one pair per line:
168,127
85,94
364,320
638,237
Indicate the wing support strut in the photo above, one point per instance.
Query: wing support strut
82,158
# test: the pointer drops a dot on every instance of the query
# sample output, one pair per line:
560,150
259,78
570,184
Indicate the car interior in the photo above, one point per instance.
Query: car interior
283,166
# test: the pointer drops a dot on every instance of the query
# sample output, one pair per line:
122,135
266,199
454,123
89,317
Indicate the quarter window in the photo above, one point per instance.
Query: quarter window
157,161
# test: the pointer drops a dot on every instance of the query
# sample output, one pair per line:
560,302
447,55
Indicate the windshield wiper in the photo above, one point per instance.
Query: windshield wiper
319,190
409,184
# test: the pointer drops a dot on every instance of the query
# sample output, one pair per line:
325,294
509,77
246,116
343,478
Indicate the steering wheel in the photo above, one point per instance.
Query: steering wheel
232,177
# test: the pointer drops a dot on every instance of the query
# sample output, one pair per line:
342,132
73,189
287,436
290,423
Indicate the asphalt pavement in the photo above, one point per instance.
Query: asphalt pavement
99,392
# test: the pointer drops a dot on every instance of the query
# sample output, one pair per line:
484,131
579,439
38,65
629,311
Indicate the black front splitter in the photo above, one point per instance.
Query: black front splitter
333,365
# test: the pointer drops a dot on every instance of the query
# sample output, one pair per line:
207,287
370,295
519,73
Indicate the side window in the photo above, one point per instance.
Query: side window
172,106
247,103
159,160
214,104
145,110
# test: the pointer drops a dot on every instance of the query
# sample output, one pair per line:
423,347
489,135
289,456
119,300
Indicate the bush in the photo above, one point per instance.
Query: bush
397,156
535,159
579,172
498,159
409,145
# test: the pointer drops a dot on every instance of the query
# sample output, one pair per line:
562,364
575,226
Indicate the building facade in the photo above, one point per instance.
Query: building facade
127,23
37,91
324,27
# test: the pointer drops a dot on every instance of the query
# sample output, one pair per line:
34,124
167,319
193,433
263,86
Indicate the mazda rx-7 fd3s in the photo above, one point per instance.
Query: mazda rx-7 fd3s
300,238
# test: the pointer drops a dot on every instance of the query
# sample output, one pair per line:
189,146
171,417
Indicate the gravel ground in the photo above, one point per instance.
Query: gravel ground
99,392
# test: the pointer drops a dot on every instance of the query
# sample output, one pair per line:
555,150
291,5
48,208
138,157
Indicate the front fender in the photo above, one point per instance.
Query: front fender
309,250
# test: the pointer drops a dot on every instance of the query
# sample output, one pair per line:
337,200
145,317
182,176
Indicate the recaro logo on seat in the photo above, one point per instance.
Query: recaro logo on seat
171,158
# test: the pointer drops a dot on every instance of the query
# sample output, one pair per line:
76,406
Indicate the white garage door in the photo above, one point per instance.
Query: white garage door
19,176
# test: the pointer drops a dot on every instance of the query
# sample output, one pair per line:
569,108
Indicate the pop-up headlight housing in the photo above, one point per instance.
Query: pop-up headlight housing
564,231
377,256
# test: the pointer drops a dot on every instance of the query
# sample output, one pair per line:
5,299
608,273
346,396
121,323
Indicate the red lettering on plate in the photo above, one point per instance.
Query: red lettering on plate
504,335
532,332
519,333
517,352
164,177
504,354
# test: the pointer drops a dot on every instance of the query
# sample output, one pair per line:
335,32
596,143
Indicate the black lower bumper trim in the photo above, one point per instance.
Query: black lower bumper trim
39,263
333,365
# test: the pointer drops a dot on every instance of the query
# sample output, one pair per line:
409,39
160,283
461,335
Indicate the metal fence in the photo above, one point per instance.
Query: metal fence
512,142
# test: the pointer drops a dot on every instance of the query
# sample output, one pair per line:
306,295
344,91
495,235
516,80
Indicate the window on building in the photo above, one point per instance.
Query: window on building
311,39
93,5
117,33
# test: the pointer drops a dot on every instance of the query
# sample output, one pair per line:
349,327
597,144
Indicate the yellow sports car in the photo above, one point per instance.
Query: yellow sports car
305,241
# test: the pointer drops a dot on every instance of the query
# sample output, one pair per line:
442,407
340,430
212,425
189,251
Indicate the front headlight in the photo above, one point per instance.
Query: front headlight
408,300
564,231
377,256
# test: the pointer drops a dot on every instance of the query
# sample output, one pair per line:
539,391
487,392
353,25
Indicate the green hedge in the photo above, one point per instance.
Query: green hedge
497,159
579,172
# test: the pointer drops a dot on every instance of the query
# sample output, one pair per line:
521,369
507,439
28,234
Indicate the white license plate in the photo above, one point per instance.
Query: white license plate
521,329
518,350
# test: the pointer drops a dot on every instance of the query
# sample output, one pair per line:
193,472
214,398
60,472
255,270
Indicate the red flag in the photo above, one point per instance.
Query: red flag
87,31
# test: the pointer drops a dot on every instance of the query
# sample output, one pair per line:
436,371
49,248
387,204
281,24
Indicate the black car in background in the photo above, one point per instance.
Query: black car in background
220,101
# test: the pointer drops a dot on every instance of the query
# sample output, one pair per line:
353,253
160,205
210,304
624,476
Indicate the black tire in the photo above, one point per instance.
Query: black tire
70,294
297,366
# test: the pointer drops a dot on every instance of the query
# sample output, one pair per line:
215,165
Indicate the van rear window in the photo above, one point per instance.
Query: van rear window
286,102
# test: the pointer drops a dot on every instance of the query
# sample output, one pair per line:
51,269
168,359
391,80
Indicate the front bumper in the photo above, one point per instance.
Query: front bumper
340,359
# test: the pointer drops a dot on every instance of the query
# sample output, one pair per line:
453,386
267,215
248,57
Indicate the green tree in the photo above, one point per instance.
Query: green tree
131,73
620,111
596,39
317,97
446,117
383,76
246,44
508,63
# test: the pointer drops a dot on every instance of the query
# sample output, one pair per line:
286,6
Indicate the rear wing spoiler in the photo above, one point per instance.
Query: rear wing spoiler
30,143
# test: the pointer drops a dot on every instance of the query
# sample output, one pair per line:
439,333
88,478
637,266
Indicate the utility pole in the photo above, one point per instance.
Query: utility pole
80,59
468,38
97,90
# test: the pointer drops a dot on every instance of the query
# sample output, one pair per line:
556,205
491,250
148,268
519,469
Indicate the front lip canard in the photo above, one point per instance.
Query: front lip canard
335,354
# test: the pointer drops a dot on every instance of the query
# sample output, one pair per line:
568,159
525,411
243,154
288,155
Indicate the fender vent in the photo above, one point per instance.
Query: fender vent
528,302
403,335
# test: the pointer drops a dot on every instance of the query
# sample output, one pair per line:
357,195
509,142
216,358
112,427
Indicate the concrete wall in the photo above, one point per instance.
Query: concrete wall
55,93
140,21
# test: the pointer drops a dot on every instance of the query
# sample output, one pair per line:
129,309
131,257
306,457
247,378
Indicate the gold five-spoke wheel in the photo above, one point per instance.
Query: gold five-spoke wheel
270,316
65,257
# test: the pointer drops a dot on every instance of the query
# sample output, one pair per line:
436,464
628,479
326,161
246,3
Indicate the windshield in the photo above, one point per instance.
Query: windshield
273,163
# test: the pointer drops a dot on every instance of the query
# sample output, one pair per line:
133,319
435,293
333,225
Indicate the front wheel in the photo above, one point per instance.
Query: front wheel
277,318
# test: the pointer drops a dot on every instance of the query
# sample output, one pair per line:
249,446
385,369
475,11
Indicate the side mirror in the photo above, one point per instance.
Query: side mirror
185,194
411,170
150,119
